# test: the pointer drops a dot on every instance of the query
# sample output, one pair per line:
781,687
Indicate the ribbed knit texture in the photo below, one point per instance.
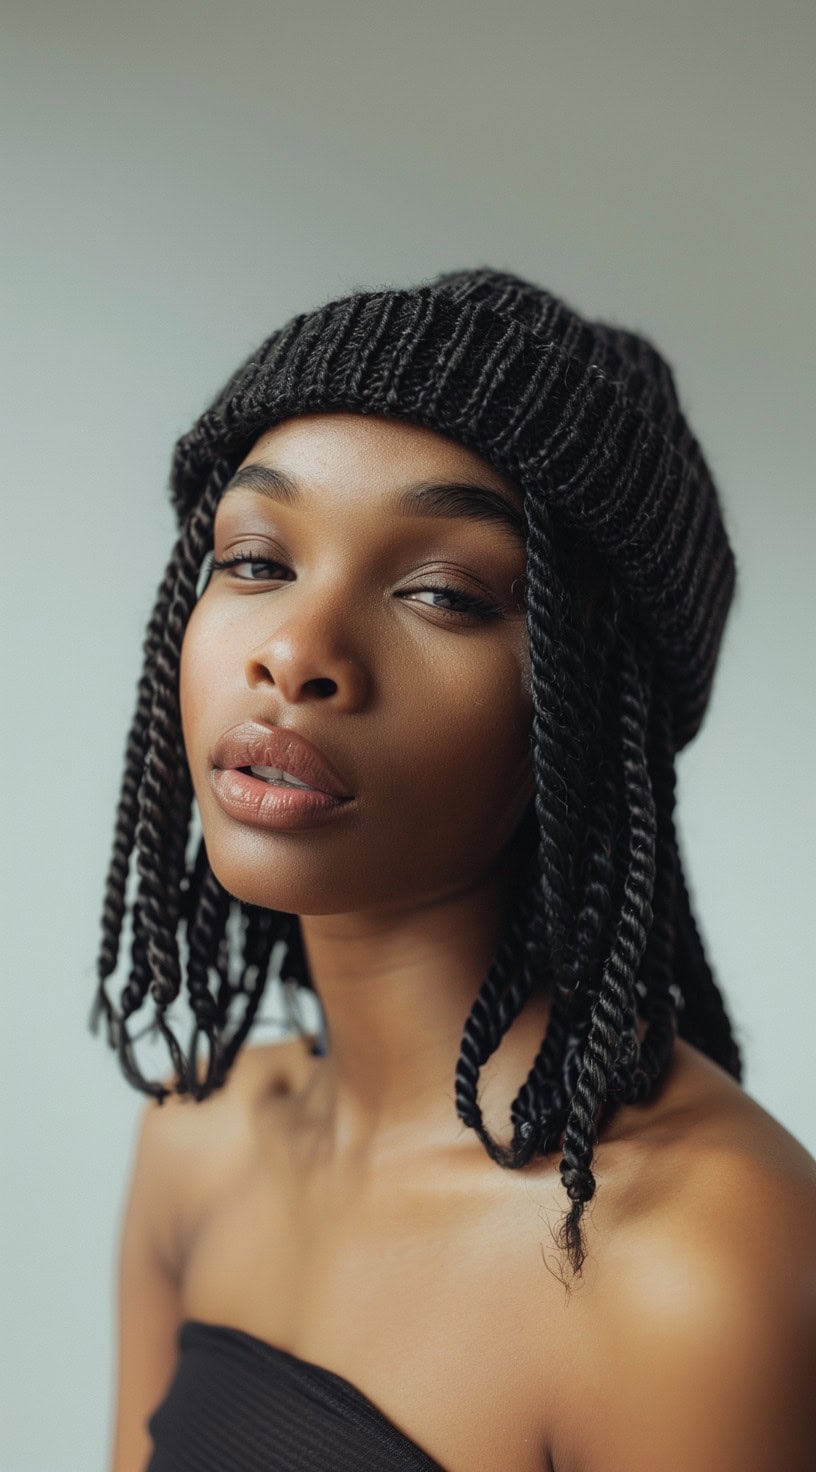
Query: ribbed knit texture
580,413
237,1404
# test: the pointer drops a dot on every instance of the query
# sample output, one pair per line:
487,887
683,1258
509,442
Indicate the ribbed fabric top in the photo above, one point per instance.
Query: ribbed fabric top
238,1404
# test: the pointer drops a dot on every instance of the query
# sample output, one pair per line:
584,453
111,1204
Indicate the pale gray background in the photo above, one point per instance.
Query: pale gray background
180,179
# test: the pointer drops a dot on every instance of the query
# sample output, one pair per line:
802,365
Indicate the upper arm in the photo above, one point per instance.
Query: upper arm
149,1305
710,1353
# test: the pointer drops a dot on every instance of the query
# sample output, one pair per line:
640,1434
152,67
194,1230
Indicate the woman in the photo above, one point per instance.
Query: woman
447,598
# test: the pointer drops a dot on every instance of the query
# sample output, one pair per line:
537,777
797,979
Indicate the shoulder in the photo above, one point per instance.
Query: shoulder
261,1070
706,1322
189,1150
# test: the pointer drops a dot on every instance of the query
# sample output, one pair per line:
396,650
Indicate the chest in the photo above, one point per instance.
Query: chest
441,1305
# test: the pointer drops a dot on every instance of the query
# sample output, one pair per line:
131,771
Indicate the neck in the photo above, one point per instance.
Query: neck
396,990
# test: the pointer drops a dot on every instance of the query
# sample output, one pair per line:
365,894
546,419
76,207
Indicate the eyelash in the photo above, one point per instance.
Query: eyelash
468,602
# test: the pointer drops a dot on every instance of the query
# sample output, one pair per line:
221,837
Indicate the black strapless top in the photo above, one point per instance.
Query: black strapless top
238,1404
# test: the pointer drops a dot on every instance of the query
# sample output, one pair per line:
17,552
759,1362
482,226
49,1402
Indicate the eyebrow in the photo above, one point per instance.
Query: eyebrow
443,499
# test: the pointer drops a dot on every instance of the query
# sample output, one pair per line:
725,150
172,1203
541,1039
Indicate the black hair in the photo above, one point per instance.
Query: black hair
601,915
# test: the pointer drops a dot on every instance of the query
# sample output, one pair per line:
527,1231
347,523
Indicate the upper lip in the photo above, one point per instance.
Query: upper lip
255,745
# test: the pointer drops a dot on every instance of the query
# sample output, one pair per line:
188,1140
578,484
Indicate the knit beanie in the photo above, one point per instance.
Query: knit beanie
578,413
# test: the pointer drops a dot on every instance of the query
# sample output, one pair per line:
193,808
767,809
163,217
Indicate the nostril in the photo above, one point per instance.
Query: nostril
324,685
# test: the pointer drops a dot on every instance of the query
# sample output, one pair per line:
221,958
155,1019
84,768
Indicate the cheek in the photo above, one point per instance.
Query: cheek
472,743
198,663
495,688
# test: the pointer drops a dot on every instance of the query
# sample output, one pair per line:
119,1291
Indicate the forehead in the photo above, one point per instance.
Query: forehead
394,466
357,452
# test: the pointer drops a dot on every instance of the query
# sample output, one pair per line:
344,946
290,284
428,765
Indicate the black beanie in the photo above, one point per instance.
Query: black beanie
579,413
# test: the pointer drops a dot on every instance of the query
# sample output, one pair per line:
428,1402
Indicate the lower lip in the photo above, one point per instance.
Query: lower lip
252,800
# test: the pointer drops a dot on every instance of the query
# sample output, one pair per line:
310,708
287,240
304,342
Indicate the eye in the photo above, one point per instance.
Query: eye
251,559
464,604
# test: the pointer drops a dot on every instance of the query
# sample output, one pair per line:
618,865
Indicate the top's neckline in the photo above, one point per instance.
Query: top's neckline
194,1328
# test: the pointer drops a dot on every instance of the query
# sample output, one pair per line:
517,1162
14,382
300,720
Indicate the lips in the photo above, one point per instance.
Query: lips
254,745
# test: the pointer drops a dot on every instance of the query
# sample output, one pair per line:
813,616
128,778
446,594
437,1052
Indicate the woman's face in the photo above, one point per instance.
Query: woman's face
333,629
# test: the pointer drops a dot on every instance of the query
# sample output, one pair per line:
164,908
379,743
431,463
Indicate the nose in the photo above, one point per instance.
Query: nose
305,661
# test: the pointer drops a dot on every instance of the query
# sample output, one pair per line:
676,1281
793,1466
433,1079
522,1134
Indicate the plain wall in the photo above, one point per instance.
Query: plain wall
179,180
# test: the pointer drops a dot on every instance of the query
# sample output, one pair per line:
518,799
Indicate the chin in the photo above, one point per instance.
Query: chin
291,876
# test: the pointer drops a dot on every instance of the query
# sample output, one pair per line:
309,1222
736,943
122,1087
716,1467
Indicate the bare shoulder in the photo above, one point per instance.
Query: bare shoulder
259,1071
195,1149
712,1178
732,1202
704,1138
706,1311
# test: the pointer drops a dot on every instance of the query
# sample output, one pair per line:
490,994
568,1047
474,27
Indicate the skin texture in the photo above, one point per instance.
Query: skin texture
425,714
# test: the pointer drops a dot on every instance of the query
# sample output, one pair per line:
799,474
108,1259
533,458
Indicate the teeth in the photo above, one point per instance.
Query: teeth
276,774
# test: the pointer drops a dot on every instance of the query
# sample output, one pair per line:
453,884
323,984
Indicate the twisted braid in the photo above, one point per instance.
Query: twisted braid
625,962
509,983
545,1093
159,846
557,763
204,939
113,909
657,1003
615,1005
704,1021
